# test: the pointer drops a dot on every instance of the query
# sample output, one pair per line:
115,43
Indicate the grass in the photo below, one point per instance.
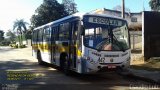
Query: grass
151,65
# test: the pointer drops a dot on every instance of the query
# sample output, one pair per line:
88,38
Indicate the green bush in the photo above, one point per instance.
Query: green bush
13,45
17,46
22,46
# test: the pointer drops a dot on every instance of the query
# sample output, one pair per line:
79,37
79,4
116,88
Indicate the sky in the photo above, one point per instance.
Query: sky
10,10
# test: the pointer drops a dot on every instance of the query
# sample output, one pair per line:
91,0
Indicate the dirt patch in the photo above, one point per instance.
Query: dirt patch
136,59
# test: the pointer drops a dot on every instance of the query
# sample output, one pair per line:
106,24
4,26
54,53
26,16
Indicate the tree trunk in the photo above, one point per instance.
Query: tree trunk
20,37
19,40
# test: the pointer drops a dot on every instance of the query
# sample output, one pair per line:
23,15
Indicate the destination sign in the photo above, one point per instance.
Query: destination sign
106,21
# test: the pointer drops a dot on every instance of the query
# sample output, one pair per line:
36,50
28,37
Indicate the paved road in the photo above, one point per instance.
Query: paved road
18,69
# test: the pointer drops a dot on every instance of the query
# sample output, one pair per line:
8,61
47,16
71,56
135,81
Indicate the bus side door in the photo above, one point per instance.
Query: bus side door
53,44
47,43
73,44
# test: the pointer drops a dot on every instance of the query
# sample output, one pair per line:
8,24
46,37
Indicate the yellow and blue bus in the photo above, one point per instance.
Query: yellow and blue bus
84,43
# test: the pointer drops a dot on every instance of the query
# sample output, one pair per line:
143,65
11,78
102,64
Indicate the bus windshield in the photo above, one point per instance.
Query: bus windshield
107,37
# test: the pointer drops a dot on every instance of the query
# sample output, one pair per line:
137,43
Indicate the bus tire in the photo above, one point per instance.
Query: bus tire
66,65
40,62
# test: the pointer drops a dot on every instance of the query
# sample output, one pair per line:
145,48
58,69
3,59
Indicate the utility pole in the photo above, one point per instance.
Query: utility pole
123,9
143,6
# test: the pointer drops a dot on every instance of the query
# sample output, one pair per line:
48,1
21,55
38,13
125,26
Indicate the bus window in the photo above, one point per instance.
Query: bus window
55,33
64,31
40,35
46,36
34,37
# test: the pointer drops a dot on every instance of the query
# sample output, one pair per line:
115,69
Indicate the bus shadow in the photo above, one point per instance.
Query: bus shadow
54,79
16,64
23,66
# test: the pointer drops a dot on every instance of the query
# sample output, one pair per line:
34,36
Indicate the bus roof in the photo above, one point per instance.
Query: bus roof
80,15
105,15
62,19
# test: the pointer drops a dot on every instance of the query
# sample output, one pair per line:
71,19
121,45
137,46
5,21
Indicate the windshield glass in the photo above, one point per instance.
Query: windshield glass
107,38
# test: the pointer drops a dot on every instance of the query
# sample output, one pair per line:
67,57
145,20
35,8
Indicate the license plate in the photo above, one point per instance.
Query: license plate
111,66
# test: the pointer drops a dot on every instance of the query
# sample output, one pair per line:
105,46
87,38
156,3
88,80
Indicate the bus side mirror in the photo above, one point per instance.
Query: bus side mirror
83,33
82,30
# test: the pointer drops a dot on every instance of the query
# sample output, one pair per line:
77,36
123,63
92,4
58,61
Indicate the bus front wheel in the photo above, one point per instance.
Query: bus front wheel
39,57
65,65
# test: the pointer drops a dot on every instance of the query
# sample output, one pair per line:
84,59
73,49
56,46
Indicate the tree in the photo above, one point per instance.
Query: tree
1,35
48,11
155,5
119,8
20,26
70,6
29,33
11,36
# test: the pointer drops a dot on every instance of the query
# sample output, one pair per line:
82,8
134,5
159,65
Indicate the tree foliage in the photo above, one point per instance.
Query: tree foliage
11,36
155,5
20,26
48,11
1,35
29,33
70,6
119,8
